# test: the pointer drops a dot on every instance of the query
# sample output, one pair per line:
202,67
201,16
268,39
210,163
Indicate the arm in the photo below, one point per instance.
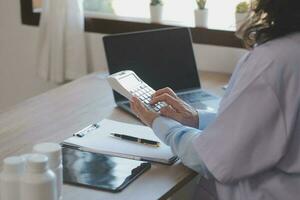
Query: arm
180,138
174,133
249,130
205,118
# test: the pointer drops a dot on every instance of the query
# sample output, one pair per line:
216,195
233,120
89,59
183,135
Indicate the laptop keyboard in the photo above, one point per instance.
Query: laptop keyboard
194,96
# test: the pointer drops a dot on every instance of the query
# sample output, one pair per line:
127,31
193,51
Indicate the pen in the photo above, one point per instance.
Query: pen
135,139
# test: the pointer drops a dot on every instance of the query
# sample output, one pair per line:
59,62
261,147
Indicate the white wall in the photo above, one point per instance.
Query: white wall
18,80
17,70
217,59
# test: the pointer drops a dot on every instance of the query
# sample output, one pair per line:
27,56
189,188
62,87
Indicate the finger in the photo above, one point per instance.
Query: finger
134,99
165,90
139,106
168,99
133,104
133,108
169,112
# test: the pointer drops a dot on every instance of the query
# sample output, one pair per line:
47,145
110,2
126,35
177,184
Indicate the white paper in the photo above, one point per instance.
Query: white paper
101,141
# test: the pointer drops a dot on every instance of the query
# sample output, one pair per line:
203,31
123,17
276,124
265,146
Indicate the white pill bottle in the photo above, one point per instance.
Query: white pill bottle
13,168
53,152
38,182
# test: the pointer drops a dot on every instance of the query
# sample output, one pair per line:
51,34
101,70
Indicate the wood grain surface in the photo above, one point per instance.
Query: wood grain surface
56,114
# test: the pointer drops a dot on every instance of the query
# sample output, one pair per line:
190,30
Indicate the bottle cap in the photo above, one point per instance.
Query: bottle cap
14,164
37,163
51,150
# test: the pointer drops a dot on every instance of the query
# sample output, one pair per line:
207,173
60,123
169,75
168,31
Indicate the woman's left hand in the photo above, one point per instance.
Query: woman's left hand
146,116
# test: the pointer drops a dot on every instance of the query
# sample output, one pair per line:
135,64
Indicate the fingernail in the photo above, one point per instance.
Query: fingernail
152,100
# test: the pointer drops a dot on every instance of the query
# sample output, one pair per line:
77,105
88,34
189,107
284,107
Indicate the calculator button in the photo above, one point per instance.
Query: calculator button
156,109
148,106
147,101
162,104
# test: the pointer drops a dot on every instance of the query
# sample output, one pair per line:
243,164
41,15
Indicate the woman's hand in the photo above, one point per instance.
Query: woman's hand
146,116
177,109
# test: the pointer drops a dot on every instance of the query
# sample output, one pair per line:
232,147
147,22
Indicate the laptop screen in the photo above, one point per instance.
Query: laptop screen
161,58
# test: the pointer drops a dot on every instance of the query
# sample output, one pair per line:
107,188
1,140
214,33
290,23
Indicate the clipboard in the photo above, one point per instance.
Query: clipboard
97,138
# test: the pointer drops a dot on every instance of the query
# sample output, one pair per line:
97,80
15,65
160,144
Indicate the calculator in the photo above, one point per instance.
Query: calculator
128,84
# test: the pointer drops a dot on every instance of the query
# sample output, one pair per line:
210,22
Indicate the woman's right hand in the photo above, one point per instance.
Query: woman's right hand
177,109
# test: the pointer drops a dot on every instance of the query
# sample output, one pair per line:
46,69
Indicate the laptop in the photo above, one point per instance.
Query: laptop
161,58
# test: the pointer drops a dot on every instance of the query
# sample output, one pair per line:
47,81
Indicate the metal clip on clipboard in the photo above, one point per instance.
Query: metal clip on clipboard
86,130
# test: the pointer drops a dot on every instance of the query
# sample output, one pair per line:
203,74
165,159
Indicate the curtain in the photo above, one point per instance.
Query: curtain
61,49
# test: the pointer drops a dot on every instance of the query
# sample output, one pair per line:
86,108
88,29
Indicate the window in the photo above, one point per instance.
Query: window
37,4
221,13
117,16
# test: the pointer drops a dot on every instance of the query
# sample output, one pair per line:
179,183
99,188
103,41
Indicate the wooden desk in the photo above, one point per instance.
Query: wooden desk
55,115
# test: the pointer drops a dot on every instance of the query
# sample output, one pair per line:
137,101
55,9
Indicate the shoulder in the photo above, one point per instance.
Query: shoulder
276,57
275,61
283,55
281,50
283,72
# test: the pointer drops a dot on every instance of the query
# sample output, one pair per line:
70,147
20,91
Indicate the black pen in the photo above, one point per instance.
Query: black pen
135,139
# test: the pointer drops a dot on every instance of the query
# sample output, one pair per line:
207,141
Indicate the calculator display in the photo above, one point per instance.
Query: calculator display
129,81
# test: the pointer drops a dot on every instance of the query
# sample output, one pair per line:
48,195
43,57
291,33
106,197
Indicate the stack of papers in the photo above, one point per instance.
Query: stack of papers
101,141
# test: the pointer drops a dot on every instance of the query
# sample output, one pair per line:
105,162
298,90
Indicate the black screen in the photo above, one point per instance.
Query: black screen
161,58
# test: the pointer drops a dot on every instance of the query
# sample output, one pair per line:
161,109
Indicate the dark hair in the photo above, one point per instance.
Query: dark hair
270,19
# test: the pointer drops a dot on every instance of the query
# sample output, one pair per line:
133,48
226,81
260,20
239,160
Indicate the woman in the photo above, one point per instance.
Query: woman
251,147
